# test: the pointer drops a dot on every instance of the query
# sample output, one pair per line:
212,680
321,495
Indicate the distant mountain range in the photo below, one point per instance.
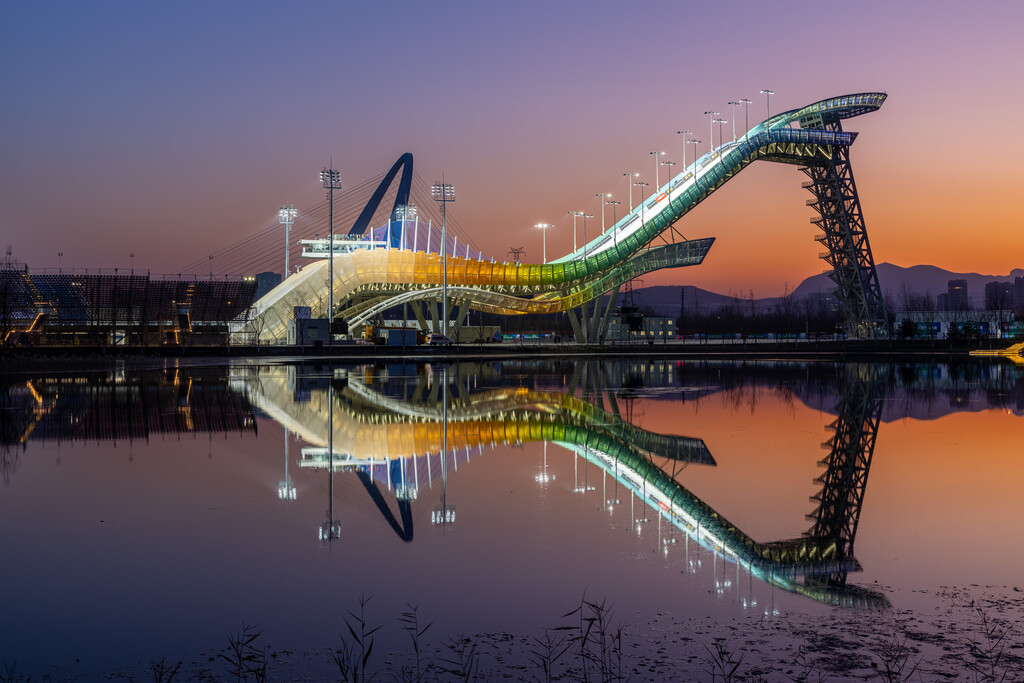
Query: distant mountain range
894,280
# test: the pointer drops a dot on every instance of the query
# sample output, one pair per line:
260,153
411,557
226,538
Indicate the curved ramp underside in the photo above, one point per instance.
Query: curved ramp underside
375,279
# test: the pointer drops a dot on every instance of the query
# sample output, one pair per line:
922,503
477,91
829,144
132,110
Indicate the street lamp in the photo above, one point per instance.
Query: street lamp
444,194
614,204
585,217
657,185
734,105
768,102
131,256
286,216
720,122
746,115
601,197
684,133
694,142
544,237
331,180
575,215
670,164
641,184
629,183
711,124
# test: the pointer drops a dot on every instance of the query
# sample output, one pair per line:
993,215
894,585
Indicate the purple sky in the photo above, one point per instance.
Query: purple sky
173,130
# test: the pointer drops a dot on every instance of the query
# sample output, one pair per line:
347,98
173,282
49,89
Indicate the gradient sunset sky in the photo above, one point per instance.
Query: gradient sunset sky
172,130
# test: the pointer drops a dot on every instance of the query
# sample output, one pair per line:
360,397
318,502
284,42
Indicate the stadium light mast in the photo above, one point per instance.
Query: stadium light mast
684,133
286,216
544,238
444,194
768,102
711,124
332,181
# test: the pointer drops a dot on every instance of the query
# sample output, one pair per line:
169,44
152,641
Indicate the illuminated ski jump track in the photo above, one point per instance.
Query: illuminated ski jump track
382,278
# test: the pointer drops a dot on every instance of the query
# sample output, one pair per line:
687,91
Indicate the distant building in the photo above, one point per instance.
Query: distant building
999,296
955,298
649,328
266,282
303,331
1018,294
939,324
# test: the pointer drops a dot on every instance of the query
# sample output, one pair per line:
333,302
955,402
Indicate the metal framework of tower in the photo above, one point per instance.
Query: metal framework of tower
843,232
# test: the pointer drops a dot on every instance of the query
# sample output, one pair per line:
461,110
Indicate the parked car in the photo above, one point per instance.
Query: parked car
437,339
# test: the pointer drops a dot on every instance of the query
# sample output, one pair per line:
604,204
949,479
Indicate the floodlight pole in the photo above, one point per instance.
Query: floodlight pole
332,181
286,216
443,194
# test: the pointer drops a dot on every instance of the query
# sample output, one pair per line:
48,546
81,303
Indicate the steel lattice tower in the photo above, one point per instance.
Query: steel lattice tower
843,232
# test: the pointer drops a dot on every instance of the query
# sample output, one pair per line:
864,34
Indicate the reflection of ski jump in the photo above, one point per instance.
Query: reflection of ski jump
367,281
397,442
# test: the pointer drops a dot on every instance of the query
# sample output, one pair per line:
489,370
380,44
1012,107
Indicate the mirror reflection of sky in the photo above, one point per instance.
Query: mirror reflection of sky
148,513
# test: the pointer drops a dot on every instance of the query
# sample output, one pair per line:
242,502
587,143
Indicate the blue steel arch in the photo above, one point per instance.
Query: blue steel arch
401,199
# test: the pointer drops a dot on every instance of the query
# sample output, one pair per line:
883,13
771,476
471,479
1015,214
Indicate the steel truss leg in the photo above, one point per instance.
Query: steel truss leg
849,253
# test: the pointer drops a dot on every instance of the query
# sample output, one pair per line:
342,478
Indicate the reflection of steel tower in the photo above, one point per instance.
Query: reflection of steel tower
847,465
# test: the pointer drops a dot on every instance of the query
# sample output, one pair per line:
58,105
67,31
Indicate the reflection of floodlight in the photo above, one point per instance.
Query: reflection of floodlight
329,531
403,492
443,516
286,490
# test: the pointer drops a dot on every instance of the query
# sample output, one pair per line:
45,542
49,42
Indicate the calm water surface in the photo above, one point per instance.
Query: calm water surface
145,514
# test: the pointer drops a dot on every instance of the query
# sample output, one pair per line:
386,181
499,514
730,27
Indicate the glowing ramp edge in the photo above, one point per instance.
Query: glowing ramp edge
397,271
